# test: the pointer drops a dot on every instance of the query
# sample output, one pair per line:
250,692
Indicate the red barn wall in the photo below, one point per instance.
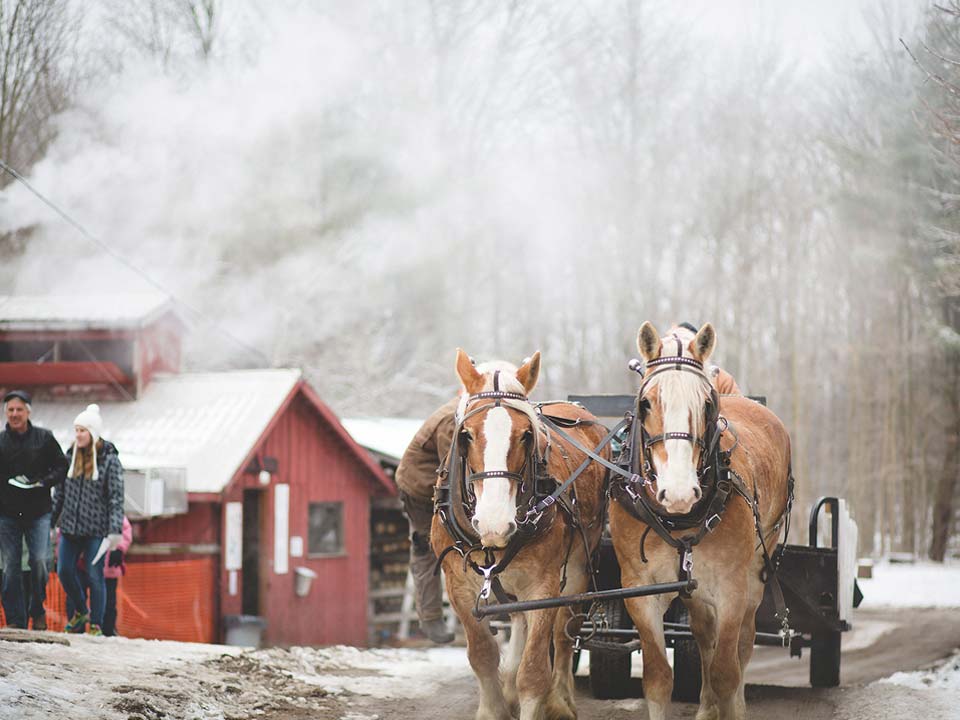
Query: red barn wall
158,349
318,468
200,525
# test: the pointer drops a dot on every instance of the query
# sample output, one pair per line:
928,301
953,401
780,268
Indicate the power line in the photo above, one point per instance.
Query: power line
197,314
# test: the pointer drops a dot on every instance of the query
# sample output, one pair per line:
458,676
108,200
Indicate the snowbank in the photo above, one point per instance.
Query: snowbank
917,585
943,677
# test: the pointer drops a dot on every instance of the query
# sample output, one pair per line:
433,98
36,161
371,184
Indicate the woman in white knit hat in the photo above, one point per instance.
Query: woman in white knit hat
88,509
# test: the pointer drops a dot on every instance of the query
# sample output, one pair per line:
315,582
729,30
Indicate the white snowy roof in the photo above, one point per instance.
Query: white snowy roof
82,311
385,436
206,423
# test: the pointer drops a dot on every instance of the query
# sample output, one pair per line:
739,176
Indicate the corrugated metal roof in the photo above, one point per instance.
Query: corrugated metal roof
204,422
82,311
385,436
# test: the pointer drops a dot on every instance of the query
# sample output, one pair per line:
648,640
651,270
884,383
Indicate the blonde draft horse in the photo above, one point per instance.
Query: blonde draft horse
499,436
727,562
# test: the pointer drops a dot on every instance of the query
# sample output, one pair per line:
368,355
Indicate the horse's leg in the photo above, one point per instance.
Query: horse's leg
647,615
726,674
482,652
703,625
560,704
533,675
511,660
748,633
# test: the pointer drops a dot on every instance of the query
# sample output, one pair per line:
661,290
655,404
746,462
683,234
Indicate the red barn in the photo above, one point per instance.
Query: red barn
243,485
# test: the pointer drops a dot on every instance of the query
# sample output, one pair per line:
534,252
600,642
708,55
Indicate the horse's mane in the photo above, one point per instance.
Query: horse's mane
682,389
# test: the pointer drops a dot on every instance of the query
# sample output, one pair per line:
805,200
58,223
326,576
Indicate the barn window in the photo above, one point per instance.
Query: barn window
326,529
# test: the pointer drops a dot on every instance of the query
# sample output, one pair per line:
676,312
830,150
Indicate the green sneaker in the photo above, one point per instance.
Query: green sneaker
76,623
94,630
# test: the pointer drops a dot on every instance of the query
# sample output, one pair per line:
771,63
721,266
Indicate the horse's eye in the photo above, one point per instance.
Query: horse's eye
527,435
644,406
465,437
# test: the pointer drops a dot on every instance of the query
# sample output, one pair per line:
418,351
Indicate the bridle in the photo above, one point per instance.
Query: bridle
456,500
643,443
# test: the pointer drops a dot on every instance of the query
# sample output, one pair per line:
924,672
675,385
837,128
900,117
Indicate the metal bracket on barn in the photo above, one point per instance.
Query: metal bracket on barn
588,597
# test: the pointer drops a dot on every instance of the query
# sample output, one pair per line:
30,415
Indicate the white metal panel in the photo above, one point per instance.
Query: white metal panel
281,528
233,532
846,561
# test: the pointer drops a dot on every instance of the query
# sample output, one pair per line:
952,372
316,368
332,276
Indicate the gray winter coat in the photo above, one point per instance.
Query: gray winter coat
92,508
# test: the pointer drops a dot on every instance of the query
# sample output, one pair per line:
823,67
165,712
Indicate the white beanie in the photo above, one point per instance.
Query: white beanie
91,421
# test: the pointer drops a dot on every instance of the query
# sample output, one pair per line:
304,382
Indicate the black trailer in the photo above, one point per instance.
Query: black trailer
819,586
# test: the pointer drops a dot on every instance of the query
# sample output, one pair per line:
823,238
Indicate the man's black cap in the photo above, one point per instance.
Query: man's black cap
689,327
20,394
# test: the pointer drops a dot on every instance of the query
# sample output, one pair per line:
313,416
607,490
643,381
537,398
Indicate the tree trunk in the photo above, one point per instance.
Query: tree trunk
943,508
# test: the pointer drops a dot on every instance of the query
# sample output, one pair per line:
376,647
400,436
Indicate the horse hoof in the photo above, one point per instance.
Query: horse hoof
558,709
708,713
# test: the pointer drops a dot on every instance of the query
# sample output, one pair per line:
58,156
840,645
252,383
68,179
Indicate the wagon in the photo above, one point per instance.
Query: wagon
818,583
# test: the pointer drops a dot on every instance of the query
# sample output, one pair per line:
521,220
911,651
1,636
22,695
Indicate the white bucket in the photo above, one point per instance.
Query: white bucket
304,579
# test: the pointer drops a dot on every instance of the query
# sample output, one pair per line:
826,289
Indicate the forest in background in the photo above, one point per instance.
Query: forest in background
360,188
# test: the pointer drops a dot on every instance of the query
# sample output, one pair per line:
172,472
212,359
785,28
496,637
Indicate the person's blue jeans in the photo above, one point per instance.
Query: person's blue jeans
84,588
71,548
13,531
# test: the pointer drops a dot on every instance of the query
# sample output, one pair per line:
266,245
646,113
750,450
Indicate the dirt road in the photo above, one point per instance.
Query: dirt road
883,643
49,675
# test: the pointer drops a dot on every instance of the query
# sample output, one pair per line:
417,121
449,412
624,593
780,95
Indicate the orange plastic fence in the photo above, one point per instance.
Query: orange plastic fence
156,600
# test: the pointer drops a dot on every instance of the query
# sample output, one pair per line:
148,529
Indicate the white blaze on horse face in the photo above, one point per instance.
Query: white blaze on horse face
677,477
496,511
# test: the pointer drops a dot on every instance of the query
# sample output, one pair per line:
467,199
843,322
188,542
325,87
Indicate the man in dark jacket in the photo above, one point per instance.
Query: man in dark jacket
416,475
31,463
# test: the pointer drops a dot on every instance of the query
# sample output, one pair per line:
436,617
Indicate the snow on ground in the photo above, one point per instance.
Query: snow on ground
945,676
379,673
121,679
916,585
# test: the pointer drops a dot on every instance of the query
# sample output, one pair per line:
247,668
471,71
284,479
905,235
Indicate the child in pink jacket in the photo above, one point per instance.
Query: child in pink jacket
112,570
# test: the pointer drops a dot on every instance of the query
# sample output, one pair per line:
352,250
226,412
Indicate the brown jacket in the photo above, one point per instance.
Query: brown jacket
724,382
417,473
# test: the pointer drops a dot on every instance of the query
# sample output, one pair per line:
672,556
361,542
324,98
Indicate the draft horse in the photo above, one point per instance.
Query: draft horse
518,513
710,476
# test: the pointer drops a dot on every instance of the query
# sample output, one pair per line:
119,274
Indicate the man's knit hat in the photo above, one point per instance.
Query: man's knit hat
91,421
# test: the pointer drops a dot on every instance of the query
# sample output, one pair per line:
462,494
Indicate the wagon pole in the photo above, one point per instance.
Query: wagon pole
588,597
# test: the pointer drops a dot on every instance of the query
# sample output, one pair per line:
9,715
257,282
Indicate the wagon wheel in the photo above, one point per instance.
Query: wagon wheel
687,678
825,659
610,670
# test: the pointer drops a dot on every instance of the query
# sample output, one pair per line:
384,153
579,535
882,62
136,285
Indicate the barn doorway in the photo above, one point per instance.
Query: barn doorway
253,517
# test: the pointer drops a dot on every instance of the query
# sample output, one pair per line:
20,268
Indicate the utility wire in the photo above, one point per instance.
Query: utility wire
197,314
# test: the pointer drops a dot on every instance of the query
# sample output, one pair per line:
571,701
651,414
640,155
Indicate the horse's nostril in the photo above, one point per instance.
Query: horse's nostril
475,523
661,496
697,492
511,528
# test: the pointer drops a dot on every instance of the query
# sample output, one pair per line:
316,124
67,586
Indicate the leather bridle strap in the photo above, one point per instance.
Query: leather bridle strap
541,506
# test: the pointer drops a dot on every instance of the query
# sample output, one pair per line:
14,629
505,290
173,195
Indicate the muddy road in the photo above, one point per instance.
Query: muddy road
884,642
50,675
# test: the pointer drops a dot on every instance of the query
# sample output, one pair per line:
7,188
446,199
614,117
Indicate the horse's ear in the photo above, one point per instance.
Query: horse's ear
472,380
648,342
529,372
703,344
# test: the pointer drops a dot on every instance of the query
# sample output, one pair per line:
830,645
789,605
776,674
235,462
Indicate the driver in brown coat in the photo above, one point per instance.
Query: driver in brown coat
721,379
416,476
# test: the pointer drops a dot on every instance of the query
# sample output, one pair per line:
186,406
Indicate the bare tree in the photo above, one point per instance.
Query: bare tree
167,31
36,76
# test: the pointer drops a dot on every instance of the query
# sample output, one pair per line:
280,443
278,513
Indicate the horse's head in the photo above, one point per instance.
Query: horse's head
674,409
498,431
